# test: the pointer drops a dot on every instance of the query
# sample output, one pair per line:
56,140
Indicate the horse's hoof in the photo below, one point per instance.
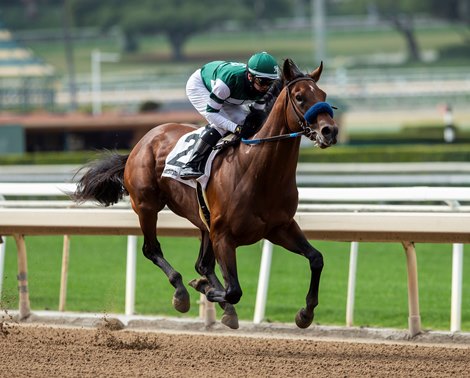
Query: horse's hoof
230,320
303,319
200,284
181,301
215,295
230,317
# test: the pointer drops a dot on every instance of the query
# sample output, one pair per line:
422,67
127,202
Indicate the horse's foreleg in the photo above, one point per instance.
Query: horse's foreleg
153,251
210,285
294,240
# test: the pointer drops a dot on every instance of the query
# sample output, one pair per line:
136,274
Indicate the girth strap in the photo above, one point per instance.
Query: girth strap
204,211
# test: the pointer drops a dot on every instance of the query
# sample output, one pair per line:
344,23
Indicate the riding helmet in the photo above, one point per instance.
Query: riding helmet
263,65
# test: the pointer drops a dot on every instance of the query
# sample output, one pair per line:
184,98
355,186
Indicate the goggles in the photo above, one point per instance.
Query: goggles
263,81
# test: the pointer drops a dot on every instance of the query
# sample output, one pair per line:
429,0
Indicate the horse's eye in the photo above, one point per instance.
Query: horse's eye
298,98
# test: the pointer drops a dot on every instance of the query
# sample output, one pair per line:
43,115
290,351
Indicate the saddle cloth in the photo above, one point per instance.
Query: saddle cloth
180,155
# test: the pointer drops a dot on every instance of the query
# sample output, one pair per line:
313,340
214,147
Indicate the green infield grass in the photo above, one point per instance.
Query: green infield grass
97,267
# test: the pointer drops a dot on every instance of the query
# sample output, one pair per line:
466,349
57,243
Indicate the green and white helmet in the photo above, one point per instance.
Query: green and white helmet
263,65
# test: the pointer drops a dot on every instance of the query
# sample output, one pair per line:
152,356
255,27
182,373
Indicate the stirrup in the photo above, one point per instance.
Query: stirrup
188,173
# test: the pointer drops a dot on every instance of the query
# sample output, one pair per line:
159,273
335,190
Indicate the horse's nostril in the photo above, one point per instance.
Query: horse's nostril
326,131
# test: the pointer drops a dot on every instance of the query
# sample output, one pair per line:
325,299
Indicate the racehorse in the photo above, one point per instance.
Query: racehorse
252,192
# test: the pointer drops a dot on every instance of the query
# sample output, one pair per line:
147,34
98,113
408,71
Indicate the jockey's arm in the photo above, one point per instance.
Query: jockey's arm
215,118
220,92
258,105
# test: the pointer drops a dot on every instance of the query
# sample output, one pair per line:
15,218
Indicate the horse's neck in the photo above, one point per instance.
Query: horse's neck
278,159
275,123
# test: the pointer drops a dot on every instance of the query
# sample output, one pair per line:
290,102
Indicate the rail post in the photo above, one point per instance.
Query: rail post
64,273
414,319
23,292
3,243
130,274
263,282
351,284
456,296
206,311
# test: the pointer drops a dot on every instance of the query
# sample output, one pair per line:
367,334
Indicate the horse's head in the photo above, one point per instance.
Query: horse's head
305,106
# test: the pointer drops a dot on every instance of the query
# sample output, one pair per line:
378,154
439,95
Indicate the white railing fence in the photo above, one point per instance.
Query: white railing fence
440,209
308,174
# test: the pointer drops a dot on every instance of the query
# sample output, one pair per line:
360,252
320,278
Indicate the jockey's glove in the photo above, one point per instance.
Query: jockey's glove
238,130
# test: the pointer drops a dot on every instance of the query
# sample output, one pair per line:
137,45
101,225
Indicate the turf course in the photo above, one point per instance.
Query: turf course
97,280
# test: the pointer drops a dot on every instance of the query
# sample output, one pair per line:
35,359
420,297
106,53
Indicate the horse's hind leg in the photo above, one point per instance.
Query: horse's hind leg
152,250
209,284
293,239
224,251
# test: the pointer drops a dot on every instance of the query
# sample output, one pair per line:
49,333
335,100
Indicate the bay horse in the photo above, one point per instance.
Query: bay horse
252,193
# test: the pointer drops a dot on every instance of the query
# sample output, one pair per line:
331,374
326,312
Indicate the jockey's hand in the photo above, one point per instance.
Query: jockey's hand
238,130
251,125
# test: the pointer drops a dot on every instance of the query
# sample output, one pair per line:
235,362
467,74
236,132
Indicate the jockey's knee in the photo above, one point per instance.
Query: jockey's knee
212,134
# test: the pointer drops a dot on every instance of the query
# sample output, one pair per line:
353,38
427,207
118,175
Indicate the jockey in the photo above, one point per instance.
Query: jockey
221,92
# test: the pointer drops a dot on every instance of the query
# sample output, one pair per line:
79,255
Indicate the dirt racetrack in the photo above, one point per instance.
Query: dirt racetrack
44,350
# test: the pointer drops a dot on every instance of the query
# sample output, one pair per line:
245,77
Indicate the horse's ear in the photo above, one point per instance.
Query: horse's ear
289,70
315,75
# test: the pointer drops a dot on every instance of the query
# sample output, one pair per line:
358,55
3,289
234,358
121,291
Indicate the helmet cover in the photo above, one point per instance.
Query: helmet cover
263,65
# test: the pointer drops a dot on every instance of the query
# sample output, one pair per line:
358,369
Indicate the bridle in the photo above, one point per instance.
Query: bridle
302,119
304,126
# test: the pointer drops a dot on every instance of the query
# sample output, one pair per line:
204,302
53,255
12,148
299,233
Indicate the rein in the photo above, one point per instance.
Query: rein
273,138
302,119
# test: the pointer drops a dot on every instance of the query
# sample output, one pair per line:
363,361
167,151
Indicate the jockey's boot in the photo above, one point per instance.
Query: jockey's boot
194,168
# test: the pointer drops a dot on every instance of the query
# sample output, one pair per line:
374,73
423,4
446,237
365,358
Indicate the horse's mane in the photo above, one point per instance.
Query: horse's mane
256,118
271,96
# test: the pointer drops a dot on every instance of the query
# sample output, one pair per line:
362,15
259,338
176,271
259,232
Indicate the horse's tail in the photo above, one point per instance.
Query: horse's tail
103,181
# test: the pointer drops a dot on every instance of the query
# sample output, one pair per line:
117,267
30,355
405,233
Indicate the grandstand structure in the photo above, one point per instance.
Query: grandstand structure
26,82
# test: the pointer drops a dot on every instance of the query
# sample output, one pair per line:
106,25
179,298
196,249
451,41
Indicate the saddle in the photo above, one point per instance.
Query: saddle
181,153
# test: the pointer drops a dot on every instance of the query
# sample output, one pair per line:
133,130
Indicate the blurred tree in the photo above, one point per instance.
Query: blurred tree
24,14
268,9
401,14
177,19
453,10
31,8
